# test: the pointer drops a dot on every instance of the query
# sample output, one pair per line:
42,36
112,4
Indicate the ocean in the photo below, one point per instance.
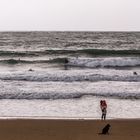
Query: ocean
66,74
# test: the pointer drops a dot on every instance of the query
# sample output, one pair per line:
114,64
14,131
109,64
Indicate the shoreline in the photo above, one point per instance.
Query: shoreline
60,118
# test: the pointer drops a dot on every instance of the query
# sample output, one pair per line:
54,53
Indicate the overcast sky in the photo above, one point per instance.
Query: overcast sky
89,15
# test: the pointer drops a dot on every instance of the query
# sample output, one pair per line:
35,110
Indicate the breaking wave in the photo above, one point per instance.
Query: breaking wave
71,76
82,61
105,62
19,61
62,90
54,96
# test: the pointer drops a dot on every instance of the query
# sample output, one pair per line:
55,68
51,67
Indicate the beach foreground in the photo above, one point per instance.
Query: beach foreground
30,129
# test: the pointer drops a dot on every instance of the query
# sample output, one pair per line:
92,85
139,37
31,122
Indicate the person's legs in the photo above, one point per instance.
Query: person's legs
104,114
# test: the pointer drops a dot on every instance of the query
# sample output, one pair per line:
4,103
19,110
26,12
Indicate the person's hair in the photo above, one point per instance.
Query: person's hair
101,102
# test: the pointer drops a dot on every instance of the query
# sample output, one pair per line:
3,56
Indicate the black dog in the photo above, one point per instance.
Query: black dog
105,130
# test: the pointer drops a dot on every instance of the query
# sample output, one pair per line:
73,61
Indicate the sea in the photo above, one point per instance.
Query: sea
65,74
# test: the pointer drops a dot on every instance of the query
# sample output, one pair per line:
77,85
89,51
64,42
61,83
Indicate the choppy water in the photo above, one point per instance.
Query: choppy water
68,70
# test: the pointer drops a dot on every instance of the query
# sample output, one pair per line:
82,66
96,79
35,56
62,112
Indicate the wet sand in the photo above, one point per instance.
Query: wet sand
30,129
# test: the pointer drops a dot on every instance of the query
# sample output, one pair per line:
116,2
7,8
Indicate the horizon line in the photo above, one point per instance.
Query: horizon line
69,31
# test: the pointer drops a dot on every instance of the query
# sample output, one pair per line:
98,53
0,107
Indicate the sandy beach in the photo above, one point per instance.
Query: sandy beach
30,129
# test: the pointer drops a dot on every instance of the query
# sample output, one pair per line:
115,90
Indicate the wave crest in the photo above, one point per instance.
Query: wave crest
62,90
105,62
71,76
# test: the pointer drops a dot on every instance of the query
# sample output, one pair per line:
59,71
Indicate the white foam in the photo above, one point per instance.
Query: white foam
73,75
83,108
67,90
105,61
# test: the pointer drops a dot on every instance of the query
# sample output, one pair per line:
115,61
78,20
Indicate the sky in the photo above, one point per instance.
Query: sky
69,15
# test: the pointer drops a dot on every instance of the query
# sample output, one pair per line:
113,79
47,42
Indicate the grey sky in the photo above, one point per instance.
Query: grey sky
91,15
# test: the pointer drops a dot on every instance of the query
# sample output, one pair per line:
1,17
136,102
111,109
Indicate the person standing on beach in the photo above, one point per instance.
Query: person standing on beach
103,107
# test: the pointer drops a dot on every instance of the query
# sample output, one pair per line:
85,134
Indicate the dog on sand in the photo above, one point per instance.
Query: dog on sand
105,130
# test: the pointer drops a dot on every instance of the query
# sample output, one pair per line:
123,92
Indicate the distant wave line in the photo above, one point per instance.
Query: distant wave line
82,61
93,52
69,78
44,96
20,61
